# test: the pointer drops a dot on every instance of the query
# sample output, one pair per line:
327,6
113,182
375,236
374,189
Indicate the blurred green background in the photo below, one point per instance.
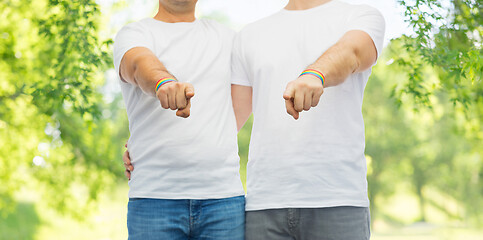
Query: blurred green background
63,123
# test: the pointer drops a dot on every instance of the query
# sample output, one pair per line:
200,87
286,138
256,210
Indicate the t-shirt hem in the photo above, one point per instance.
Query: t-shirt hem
258,207
185,196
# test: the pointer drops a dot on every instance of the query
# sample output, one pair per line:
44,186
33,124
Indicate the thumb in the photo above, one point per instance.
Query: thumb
189,91
185,112
289,92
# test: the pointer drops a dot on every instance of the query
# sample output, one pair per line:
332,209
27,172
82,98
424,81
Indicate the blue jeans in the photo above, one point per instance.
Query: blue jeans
153,219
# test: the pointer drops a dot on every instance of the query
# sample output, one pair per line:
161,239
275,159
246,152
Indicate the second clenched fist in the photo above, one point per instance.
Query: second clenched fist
302,94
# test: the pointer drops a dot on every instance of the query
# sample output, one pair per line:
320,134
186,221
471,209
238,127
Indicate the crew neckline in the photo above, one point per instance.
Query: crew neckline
322,6
176,23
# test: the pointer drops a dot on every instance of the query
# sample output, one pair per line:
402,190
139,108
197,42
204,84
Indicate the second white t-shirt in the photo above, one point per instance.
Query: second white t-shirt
317,161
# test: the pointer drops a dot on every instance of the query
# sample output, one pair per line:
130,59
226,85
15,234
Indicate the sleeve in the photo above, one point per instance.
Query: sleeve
130,36
371,21
239,71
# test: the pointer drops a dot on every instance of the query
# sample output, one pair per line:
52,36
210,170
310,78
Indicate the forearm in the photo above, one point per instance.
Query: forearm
337,63
141,67
147,73
354,52
242,103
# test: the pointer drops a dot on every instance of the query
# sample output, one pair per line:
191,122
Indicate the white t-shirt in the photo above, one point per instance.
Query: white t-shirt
173,157
317,161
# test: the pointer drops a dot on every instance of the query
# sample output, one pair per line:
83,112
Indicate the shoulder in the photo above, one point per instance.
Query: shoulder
365,16
217,26
141,24
138,26
361,9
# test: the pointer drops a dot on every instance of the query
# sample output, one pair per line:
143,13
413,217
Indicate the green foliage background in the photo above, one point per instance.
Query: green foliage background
61,139
52,68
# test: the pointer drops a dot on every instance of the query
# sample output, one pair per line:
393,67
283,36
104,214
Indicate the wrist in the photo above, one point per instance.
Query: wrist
162,82
316,73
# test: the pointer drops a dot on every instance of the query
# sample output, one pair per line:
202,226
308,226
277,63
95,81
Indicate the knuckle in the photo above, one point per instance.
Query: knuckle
303,85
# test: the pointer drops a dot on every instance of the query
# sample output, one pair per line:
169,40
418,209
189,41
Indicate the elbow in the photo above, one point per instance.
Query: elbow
135,74
137,70
355,60
128,71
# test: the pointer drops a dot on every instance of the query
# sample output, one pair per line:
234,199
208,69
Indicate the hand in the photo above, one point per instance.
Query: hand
176,96
127,164
302,94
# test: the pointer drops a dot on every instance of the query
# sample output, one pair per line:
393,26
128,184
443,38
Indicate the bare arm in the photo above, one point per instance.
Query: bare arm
139,66
242,103
354,52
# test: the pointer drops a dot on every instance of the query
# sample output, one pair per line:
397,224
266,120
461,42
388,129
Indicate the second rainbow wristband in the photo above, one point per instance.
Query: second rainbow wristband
315,73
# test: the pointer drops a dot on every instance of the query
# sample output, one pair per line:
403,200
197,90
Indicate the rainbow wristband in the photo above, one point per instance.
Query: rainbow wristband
315,73
163,81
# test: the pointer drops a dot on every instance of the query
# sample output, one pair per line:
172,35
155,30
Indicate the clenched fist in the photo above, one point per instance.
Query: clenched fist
176,96
302,94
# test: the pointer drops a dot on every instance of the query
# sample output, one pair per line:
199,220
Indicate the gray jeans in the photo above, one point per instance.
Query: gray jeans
332,223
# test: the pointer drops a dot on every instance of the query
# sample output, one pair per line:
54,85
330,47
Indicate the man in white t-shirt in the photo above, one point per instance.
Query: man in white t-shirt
186,184
306,174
